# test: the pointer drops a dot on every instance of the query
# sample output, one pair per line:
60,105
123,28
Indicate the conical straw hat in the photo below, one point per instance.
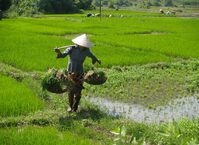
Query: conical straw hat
83,40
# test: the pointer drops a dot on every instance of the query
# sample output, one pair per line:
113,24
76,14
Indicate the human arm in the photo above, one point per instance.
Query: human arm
93,57
62,54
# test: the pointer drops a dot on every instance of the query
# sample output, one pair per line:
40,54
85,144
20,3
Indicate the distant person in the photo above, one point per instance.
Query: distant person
77,55
168,13
97,15
90,15
161,11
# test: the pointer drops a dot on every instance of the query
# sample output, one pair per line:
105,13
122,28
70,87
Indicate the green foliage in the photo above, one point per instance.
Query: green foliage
1,14
193,83
168,3
95,77
191,2
51,80
32,7
5,4
23,8
57,6
56,81
122,138
84,4
113,3
156,2
184,132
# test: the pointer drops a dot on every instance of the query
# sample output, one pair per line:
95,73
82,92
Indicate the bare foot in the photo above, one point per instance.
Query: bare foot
69,110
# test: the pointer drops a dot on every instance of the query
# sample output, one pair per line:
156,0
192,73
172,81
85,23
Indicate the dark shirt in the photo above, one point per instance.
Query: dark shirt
77,57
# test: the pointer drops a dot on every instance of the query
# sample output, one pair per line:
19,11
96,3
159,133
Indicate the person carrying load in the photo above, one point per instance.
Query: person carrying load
77,55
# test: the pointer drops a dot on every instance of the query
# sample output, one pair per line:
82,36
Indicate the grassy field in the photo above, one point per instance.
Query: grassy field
150,59
119,41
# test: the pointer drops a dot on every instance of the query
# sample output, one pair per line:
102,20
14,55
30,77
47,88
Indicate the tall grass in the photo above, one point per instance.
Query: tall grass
16,99
27,43
40,136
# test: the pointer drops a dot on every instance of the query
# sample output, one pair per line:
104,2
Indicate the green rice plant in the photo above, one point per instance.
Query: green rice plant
16,99
40,136
95,77
56,81
139,38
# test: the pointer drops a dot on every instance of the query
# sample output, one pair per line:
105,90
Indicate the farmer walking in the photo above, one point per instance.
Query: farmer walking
77,55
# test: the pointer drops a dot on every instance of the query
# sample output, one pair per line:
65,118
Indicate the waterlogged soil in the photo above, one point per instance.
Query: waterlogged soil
150,93
144,93
185,107
149,85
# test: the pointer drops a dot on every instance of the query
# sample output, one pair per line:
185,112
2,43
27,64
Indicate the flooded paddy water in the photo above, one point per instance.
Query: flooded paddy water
185,107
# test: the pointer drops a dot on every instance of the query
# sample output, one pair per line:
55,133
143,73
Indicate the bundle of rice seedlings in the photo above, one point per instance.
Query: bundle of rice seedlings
94,77
56,81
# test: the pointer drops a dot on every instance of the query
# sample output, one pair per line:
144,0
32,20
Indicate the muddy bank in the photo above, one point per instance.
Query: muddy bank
186,107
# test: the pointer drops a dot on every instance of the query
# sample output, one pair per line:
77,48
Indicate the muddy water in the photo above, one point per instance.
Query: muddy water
187,107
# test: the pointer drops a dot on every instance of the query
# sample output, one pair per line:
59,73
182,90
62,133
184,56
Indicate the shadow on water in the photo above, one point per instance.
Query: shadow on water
187,107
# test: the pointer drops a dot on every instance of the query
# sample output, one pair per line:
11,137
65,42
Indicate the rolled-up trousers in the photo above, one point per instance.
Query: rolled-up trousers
74,94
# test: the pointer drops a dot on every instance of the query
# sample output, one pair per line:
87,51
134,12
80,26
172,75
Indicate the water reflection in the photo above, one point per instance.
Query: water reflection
187,107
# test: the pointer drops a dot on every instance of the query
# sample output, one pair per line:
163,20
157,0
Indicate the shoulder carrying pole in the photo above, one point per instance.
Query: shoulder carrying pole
64,47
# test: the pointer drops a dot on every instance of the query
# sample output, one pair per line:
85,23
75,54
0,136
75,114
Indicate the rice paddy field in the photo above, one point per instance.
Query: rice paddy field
150,60
16,99
37,135
134,39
